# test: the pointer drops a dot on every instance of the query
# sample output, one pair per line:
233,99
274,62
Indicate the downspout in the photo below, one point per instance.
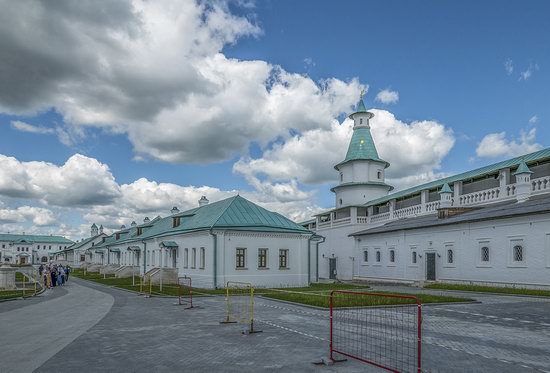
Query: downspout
215,249
144,256
317,257
309,260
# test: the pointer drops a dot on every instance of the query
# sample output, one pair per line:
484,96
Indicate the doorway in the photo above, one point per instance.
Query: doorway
430,266
332,268
22,260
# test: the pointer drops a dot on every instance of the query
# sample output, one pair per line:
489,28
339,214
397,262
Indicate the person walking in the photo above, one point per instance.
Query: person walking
62,275
67,271
53,273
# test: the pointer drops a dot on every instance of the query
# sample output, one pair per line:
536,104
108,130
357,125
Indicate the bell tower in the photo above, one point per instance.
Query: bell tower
362,172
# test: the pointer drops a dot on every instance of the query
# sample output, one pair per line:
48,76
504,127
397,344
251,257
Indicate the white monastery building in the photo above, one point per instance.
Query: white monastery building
489,225
228,240
29,248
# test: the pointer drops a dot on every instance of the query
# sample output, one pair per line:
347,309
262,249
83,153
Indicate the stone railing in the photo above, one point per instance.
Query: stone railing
541,184
343,221
432,206
362,220
407,211
380,217
479,197
510,190
324,224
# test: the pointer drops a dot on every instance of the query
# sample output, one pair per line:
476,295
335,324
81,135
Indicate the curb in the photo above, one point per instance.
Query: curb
490,293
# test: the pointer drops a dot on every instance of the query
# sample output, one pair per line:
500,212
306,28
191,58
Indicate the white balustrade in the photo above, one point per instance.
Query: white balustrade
407,211
510,190
362,220
432,206
380,217
479,197
540,185
339,222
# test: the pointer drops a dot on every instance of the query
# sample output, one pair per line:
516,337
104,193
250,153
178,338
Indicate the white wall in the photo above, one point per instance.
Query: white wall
465,240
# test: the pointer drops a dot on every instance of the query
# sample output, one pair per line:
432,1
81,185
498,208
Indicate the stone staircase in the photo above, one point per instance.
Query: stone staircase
108,269
127,271
169,275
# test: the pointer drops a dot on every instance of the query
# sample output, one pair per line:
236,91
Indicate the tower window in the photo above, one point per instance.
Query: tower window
361,121
340,201
379,174
341,176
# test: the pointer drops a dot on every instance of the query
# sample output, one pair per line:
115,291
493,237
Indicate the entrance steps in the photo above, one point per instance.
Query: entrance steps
127,271
168,275
108,269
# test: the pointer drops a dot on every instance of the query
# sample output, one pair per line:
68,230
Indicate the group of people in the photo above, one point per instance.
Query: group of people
54,275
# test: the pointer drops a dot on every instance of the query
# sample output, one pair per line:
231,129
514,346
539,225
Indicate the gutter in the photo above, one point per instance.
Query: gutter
215,249
318,240
144,257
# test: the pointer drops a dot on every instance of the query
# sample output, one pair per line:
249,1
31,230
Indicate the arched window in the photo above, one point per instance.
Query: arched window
44,259
485,254
413,257
518,253
392,256
378,256
340,201
365,255
450,258
361,121
379,175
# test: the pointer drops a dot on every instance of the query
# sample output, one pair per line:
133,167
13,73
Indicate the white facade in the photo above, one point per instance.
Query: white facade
477,252
27,251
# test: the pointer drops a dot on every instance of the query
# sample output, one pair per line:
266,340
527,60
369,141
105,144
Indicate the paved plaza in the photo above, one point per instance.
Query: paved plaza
88,327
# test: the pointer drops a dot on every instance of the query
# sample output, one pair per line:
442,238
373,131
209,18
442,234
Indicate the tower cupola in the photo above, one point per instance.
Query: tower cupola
362,172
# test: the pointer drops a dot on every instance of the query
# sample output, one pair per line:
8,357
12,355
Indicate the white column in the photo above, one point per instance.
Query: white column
423,199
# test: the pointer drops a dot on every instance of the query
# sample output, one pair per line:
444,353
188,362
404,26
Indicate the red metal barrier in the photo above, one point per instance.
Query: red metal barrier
365,327
185,292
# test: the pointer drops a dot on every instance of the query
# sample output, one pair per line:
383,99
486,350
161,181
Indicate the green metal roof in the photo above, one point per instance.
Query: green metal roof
235,213
169,244
78,245
523,169
490,169
446,189
361,106
32,238
361,147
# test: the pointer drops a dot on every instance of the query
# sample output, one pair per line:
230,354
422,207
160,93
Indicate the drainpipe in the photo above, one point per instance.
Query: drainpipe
215,249
322,239
144,256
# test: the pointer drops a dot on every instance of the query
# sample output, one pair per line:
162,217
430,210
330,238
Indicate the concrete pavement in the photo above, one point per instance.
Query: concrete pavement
32,331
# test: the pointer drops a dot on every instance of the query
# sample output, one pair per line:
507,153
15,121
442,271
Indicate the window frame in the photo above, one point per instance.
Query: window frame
202,258
240,258
193,258
482,243
284,259
186,257
263,252
449,253
378,257
365,255
392,257
514,242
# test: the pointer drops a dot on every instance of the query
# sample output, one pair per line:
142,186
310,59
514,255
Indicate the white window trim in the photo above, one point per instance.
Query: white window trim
376,262
514,241
363,263
447,247
480,244
394,263
266,259
409,260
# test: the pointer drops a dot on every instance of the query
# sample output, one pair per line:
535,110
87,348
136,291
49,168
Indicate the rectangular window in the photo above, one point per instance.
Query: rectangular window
378,257
117,236
413,257
149,257
240,258
262,258
193,258
139,231
283,258
176,221
50,247
186,258
392,256
38,247
365,255
202,258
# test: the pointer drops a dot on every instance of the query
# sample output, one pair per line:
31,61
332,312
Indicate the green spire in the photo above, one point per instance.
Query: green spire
523,169
446,189
361,106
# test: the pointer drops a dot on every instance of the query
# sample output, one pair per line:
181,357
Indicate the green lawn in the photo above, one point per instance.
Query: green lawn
489,289
322,299
126,283
8,294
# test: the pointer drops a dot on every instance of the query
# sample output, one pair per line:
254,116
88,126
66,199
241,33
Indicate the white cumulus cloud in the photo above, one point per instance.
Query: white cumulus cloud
496,145
387,96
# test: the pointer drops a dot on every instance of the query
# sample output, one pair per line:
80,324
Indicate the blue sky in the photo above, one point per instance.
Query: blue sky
470,69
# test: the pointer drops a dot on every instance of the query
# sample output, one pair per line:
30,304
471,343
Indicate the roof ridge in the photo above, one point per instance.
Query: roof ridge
224,210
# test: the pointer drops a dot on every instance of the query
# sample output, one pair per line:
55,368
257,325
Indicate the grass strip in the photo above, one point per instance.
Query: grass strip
489,289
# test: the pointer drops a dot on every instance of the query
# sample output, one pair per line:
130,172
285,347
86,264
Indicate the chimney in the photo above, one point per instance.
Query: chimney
174,210
146,220
133,224
203,201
